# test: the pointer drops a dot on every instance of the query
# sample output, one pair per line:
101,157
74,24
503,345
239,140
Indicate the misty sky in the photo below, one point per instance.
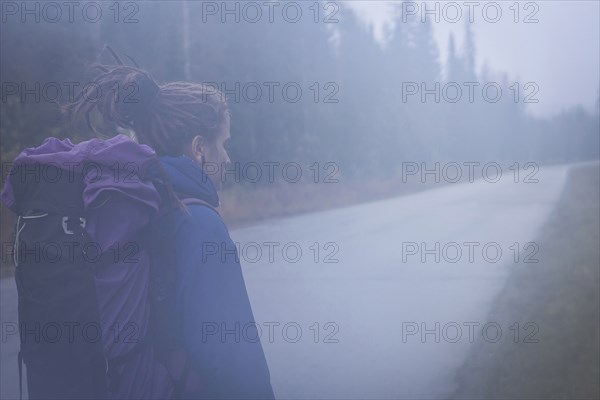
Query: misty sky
560,52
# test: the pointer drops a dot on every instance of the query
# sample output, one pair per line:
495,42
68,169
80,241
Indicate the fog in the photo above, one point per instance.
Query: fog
395,173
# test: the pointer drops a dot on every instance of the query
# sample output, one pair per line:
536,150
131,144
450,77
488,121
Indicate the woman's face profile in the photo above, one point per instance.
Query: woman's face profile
215,154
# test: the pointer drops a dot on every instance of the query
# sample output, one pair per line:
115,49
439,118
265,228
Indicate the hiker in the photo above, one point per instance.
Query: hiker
188,126
170,313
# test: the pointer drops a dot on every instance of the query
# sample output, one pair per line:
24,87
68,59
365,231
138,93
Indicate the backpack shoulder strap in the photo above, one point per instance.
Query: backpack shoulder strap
178,362
194,201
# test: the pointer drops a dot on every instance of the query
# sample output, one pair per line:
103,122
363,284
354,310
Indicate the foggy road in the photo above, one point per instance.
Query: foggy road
341,297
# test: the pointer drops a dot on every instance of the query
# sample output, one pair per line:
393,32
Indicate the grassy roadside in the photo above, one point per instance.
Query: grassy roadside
561,296
243,206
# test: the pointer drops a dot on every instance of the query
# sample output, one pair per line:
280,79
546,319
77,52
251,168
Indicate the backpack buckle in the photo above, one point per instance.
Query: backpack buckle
65,222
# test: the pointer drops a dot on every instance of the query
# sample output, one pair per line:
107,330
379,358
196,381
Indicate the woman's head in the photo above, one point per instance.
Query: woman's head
178,118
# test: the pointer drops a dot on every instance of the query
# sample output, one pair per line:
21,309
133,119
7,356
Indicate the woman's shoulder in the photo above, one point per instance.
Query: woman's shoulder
202,220
203,236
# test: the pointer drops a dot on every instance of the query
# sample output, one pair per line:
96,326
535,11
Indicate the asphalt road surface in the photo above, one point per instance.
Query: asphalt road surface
378,300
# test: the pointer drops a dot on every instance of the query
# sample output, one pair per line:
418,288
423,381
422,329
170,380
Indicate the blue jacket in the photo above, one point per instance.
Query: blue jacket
219,327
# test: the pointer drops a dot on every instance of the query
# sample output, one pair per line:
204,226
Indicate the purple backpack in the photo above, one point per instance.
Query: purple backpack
82,272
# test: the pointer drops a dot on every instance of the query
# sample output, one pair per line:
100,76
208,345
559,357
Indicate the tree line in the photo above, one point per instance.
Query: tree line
316,89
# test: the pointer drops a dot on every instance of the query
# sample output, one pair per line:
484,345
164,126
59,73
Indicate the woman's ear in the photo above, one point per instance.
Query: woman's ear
198,148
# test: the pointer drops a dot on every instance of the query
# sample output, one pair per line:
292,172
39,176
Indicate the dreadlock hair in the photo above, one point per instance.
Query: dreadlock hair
165,117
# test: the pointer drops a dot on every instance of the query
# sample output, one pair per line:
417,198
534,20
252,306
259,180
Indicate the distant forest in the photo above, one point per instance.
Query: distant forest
353,110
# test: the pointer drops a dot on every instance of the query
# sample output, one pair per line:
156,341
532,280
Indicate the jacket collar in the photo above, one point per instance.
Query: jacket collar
189,179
